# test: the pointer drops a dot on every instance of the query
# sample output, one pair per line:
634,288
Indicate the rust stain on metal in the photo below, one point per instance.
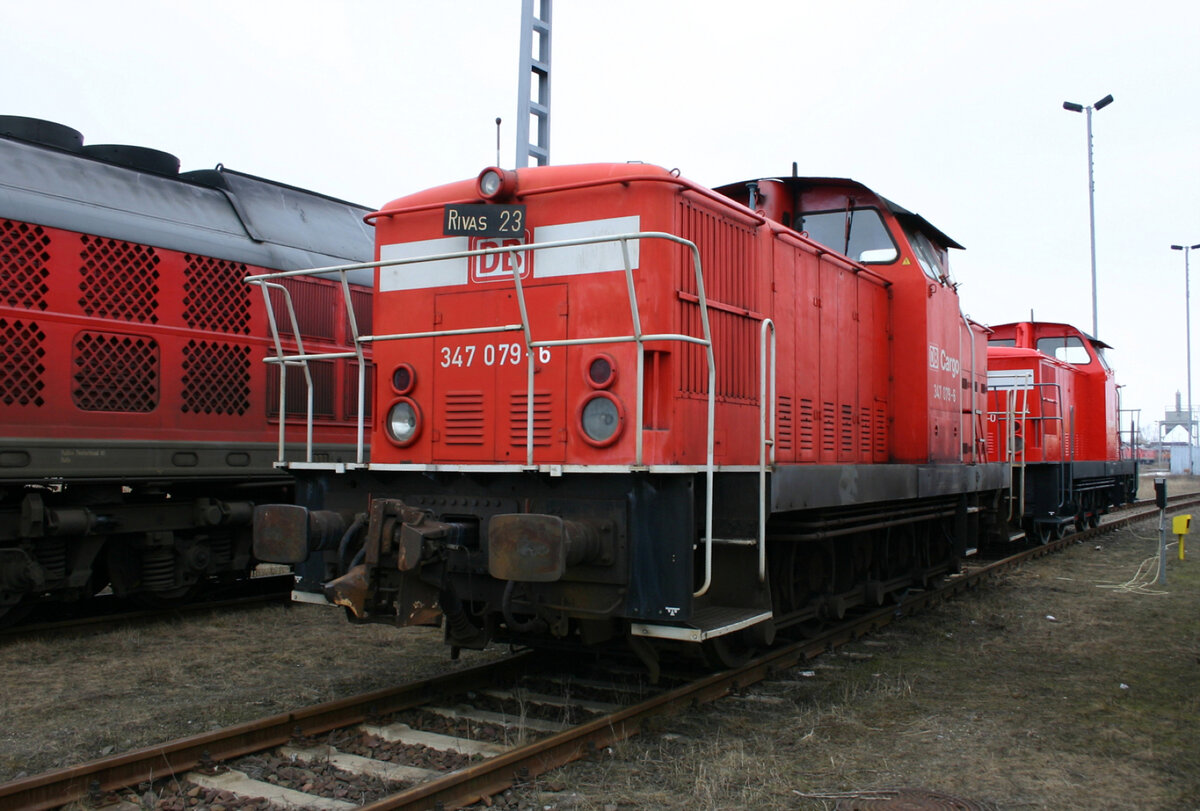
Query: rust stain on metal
350,590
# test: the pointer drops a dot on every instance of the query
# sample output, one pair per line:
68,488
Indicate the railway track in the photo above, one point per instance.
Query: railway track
490,737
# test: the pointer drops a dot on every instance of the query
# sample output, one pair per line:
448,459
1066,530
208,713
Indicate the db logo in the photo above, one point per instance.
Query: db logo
498,267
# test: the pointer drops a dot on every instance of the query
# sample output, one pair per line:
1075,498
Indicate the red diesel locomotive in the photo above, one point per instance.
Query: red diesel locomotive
1054,417
613,404
139,425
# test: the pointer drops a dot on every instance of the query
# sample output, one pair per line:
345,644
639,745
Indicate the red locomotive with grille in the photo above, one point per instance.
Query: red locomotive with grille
614,405
1054,418
139,423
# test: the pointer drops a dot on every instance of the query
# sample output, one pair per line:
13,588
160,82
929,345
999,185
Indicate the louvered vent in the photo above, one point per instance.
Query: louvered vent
864,432
350,400
21,368
214,296
114,372
847,429
120,280
216,378
463,413
808,426
322,372
24,252
541,418
317,306
783,424
881,434
828,428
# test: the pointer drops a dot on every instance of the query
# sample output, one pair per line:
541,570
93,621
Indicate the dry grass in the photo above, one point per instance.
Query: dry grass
985,698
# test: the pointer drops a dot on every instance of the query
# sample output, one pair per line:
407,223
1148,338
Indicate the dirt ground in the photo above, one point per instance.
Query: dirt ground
1060,685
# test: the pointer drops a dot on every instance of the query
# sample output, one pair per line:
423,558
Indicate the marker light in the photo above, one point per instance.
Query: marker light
404,378
496,183
403,421
600,419
601,371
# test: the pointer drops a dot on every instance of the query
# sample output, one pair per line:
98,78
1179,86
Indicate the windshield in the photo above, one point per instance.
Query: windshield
1002,342
1069,349
857,232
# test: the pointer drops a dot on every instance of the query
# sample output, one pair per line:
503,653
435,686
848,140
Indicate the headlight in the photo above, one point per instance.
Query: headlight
495,183
600,419
489,182
403,421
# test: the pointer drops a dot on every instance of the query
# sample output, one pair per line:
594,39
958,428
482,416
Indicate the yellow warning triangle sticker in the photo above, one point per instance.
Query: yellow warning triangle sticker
906,262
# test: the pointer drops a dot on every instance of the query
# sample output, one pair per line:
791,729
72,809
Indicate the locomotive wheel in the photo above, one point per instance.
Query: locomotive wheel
1093,520
1039,533
728,651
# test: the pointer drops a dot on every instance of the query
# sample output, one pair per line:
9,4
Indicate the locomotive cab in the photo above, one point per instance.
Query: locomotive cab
1053,416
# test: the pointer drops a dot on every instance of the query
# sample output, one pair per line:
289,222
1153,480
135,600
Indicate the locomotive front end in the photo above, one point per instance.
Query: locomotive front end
532,476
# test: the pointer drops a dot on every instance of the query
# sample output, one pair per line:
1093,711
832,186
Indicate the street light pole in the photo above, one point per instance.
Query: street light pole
1187,302
1079,108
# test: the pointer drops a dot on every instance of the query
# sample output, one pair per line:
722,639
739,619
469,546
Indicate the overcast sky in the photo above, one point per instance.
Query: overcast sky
952,109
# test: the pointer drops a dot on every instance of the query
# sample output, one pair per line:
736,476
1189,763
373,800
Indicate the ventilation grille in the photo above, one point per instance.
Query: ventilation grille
317,307
23,271
881,434
828,429
114,372
214,296
783,426
864,432
350,400
120,280
322,372
216,378
542,430
363,314
847,426
21,368
808,425
727,252
463,414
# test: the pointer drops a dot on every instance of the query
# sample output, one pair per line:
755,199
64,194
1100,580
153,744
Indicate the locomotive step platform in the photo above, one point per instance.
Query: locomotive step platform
706,623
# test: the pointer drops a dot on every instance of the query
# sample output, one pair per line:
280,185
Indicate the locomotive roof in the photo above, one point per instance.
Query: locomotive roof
1056,325
907,218
49,178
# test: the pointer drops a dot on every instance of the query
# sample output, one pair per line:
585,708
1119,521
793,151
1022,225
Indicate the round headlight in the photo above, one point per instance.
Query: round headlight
402,422
490,182
601,419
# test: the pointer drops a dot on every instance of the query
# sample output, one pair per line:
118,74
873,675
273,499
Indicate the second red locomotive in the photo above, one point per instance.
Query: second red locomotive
1053,416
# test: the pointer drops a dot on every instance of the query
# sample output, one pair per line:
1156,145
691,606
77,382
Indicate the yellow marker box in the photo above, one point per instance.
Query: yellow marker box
1180,525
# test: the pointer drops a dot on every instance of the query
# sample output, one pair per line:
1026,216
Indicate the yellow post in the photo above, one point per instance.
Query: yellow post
1179,526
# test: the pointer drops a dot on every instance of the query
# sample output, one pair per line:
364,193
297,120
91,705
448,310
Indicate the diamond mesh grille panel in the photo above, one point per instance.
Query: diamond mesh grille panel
23,257
214,296
115,372
120,280
216,378
21,366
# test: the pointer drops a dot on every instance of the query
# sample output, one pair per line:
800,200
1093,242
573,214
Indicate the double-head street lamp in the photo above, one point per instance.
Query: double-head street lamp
1079,108
1187,296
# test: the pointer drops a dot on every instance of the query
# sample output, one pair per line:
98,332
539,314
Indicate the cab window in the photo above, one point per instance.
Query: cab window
857,232
1002,342
1069,349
